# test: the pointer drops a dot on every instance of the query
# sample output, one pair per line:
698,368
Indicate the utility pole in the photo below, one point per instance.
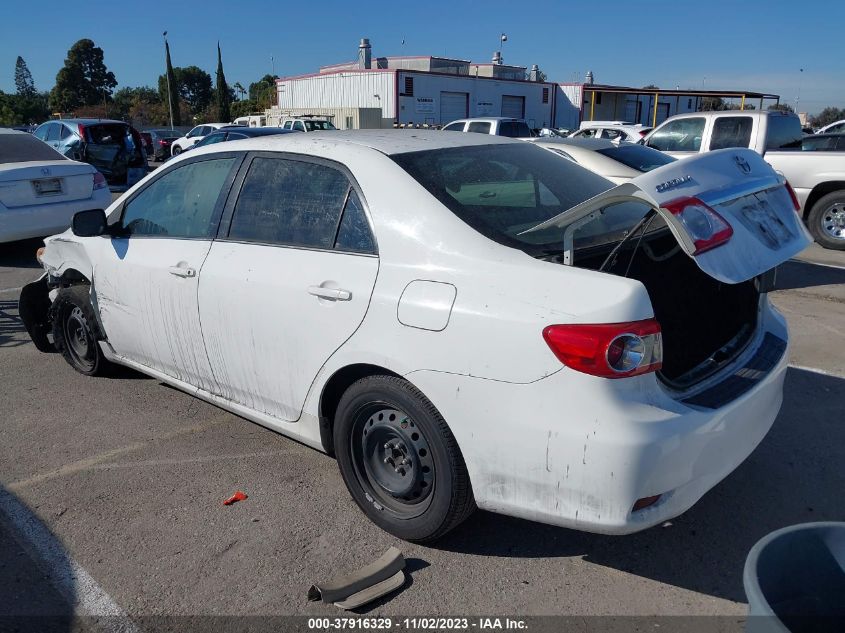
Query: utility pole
167,77
502,39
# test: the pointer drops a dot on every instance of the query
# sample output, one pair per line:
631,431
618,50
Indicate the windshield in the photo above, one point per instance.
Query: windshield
314,126
503,190
637,157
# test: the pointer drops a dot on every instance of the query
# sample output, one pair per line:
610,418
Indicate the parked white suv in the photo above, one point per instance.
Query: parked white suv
193,137
462,320
497,126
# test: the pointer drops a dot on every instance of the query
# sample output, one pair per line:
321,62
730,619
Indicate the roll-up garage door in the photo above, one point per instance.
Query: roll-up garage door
453,105
513,106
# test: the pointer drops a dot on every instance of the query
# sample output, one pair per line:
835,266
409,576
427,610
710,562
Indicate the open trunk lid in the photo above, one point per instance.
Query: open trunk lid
755,227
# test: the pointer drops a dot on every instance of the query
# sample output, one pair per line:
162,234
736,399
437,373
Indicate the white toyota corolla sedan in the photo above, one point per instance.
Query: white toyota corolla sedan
462,320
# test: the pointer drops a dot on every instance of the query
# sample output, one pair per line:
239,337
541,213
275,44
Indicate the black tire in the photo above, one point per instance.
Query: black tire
176,150
75,331
827,221
417,500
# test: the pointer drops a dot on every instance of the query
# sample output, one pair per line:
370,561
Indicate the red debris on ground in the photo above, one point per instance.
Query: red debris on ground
238,496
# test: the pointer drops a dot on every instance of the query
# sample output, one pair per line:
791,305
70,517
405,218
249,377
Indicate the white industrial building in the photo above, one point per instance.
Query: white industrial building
388,91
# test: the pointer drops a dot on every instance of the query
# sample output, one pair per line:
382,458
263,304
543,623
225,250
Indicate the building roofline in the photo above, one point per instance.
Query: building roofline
673,92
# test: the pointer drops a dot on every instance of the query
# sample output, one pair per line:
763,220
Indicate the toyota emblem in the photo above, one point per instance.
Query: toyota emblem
742,164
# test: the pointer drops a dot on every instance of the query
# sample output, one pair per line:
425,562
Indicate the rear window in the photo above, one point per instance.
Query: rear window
109,134
22,147
503,190
637,157
784,132
514,129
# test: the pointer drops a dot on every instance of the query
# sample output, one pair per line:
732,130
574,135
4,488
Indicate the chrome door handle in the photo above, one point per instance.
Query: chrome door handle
182,272
334,294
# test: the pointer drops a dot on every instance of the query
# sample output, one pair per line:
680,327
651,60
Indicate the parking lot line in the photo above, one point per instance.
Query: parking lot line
69,578
815,370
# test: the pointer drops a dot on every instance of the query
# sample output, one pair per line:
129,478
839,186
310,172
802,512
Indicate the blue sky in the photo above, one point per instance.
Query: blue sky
754,44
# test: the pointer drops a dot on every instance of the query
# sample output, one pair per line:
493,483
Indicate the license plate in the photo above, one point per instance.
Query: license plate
47,186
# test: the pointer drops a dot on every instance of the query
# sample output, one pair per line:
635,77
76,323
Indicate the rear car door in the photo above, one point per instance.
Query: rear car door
289,283
146,279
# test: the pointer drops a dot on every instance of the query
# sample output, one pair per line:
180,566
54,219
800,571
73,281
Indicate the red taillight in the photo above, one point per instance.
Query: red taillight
706,228
609,350
794,197
81,130
643,132
99,181
162,142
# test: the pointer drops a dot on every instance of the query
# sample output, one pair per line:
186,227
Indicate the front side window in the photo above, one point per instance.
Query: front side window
454,127
731,131
587,133
54,132
481,127
197,131
181,203
680,135
289,202
286,125
297,125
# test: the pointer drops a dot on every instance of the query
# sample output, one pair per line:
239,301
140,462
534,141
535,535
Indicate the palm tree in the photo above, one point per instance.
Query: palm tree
239,89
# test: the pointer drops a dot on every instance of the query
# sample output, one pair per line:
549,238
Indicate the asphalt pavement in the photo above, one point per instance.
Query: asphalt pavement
111,495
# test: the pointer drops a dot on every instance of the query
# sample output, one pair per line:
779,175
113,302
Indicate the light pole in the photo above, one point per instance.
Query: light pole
798,93
502,39
167,78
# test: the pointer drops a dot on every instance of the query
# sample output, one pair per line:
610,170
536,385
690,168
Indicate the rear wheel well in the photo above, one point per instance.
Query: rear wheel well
340,381
819,191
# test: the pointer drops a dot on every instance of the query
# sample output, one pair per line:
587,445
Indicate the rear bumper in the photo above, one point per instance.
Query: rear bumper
579,451
21,223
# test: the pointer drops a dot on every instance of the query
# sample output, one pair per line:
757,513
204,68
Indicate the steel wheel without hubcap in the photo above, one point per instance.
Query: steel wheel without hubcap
832,220
392,460
77,336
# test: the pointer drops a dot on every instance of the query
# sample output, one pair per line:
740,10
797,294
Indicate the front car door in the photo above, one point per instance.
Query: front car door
289,283
146,280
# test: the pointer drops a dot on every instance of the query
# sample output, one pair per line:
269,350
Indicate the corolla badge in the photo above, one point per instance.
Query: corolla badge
671,184
45,171
742,164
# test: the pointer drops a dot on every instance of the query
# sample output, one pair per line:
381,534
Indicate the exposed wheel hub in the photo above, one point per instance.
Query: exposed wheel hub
833,221
395,457
77,337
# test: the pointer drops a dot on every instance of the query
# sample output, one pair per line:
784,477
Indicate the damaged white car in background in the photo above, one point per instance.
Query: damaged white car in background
464,321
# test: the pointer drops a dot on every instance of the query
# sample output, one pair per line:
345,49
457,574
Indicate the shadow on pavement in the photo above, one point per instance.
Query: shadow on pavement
35,593
11,325
796,274
796,475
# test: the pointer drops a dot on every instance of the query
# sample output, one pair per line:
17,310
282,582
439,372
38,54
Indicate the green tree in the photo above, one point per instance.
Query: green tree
84,80
23,79
263,91
240,91
243,108
170,93
781,107
827,116
224,97
127,98
191,84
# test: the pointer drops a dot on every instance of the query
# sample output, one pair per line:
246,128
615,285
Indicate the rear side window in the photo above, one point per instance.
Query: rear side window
514,129
731,131
784,132
289,202
680,135
181,203
482,127
354,233
54,132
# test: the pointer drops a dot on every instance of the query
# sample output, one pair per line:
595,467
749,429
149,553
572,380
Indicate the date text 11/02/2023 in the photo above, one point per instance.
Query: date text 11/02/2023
417,623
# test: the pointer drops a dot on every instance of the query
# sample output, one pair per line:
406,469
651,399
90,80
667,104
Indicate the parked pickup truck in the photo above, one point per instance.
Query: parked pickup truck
818,178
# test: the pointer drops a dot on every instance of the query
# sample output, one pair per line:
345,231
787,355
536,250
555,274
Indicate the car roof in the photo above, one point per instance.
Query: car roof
87,121
389,142
577,141
490,119
253,131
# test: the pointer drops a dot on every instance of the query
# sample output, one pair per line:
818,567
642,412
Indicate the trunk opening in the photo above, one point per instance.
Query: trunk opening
705,323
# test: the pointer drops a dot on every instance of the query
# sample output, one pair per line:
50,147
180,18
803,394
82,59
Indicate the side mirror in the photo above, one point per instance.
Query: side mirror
90,223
